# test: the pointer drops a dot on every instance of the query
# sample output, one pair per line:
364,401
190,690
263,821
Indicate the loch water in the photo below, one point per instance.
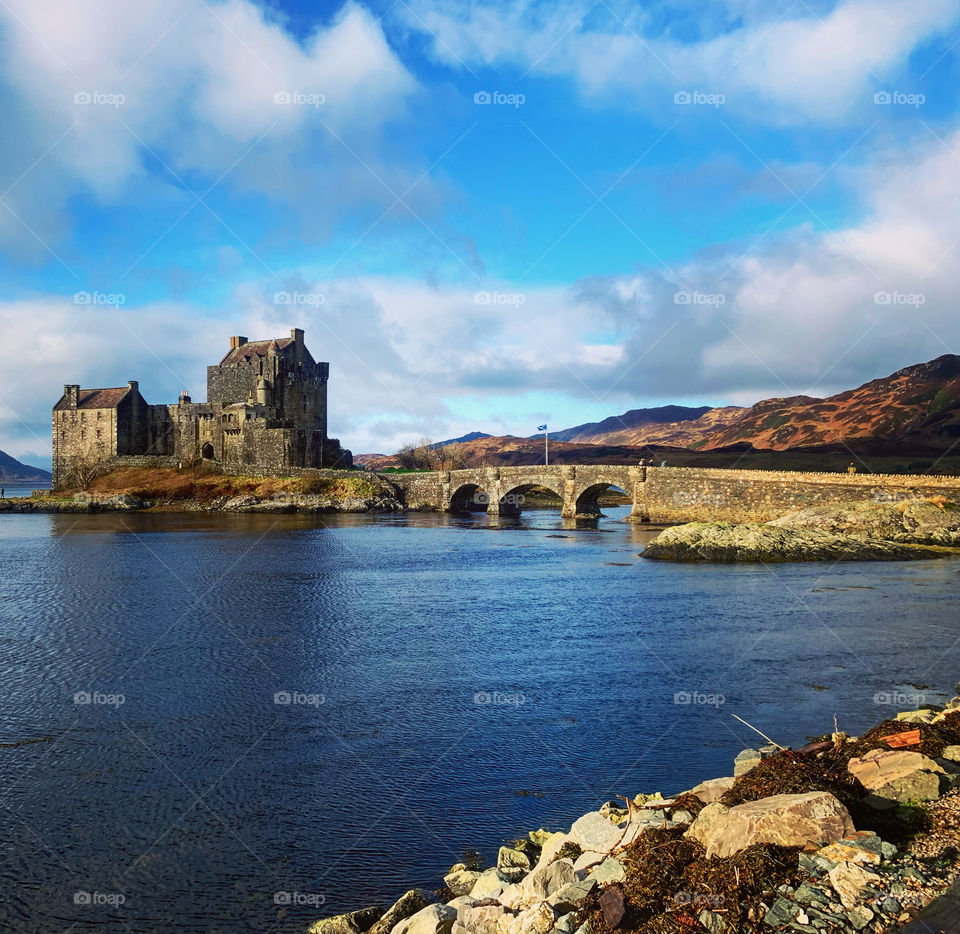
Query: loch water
255,721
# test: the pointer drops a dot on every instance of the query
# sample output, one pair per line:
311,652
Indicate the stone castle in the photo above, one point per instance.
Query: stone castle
266,411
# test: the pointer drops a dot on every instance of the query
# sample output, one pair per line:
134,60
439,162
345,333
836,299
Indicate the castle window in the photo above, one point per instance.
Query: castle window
99,433
83,434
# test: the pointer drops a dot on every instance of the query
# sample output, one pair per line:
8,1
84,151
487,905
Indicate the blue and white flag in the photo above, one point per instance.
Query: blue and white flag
541,427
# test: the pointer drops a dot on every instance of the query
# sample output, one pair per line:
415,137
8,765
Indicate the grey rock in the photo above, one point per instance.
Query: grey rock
434,919
353,922
509,858
860,917
593,831
404,907
460,880
610,870
490,884
713,922
570,896
481,919
566,924
782,911
746,760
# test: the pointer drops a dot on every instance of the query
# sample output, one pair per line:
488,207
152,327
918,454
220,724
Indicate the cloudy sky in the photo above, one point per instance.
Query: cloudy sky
486,215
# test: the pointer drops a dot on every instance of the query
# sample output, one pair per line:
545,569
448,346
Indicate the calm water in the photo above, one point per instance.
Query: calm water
409,642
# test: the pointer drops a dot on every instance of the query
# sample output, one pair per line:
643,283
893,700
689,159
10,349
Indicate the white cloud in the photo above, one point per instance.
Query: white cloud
798,314
212,89
785,65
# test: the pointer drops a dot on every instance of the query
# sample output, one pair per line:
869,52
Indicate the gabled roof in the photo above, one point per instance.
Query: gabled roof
99,398
253,349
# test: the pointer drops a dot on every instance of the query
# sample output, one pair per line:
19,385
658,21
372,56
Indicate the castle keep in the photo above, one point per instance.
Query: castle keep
266,410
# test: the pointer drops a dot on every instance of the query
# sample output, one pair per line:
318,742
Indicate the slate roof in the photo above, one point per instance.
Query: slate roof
100,398
255,349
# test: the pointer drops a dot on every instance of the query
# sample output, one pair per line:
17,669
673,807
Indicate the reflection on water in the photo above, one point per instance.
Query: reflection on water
255,714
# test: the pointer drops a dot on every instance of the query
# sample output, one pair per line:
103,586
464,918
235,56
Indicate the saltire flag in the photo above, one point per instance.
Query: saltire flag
541,427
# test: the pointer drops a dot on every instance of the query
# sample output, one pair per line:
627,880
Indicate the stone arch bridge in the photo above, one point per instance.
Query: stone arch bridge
500,491
662,494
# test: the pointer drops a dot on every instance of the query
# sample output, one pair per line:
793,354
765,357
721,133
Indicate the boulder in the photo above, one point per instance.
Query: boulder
898,775
815,818
746,760
404,907
481,919
536,920
570,896
952,753
434,919
923,715
509,858
489,884
551,847
849,880
713,789
593,831
610,870
540,884
539,837
587,860
353,922
460,880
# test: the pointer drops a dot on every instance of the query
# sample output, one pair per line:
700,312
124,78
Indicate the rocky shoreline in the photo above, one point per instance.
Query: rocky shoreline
244,503
843,835
915,529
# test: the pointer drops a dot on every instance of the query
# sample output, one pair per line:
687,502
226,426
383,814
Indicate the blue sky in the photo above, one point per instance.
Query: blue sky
486,215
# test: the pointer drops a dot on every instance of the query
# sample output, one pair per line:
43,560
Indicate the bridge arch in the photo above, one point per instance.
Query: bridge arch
469,497
588,500
511,502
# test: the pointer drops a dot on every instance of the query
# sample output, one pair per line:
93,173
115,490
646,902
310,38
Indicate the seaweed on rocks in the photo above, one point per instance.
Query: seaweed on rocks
688,802
669,882
934,737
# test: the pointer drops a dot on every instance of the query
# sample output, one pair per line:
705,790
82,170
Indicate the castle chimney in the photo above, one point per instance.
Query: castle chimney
184,397
72,394
297,335
236,342
133,384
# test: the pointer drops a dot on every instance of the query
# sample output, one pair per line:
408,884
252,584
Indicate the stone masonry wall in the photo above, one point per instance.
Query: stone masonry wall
687,494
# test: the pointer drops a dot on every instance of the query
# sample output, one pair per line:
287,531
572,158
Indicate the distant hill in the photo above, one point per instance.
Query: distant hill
907,420
915,409
472,436
11,469
671,425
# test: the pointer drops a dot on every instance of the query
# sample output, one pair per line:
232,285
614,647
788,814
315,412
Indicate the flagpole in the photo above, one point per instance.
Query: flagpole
546,448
